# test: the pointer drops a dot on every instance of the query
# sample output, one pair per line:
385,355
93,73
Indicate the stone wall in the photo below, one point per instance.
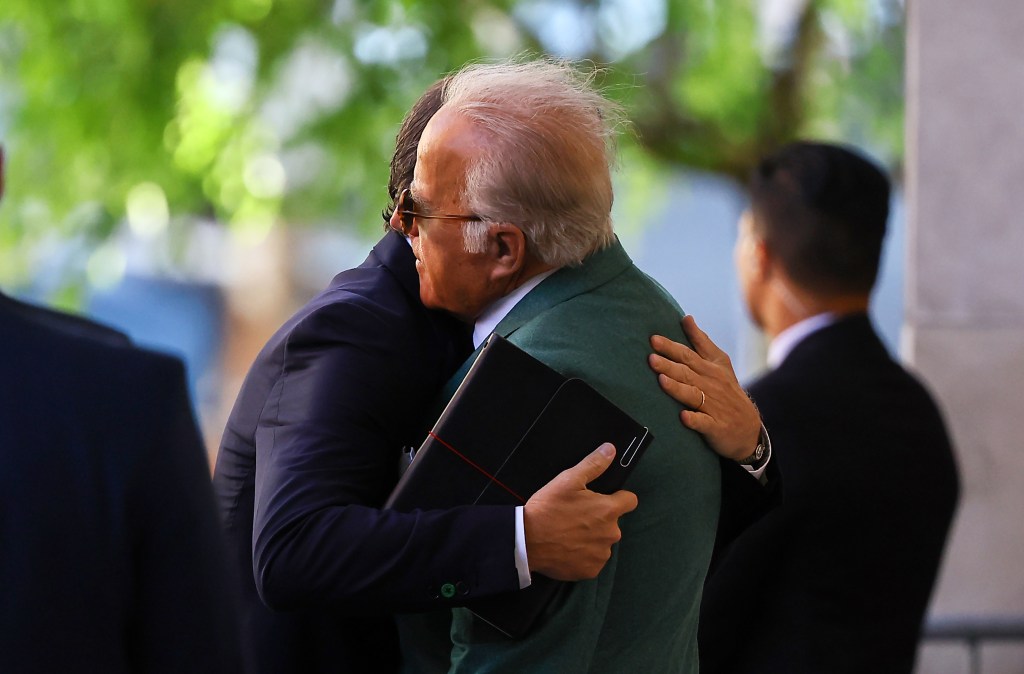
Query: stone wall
964,329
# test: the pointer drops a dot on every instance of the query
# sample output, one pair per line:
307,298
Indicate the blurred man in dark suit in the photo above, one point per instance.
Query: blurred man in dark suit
111,557
837,579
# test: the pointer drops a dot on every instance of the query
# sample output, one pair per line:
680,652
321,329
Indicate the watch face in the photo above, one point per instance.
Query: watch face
755,457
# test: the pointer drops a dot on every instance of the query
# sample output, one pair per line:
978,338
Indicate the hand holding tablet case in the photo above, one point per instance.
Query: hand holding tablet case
511,427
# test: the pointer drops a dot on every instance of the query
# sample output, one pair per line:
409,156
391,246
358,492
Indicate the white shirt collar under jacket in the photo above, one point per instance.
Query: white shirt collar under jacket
493,314
786,341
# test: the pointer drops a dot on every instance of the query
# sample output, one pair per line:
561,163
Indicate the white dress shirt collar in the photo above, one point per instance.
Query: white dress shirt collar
786,341
498,309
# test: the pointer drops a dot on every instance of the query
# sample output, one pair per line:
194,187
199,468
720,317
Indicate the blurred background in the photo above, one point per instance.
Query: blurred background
191,172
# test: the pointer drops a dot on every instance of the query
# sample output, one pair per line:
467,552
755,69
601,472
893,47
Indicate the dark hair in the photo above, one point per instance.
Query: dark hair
822,210
403,161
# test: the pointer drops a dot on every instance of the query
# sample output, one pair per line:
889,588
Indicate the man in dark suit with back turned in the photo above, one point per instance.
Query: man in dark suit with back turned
836,579
111,558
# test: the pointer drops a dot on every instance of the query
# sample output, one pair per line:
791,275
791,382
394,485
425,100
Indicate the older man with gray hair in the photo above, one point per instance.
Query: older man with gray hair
509,215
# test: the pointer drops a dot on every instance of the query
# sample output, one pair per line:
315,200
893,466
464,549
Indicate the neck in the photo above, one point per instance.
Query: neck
788,304
529,270
492,315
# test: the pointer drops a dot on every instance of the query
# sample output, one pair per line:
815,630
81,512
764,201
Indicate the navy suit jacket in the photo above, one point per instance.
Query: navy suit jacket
744,501
837,579
310,453
111,558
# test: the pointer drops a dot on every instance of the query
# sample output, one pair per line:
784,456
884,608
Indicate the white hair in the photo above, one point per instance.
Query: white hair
547,165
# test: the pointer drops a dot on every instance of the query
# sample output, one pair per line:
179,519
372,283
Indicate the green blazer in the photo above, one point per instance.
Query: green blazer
640,614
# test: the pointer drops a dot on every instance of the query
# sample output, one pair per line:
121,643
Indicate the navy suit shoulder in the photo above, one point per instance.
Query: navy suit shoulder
63,322
841,383
112,556
311,452
839,576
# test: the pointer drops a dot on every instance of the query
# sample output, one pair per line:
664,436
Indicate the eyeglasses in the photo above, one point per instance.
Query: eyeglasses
406,210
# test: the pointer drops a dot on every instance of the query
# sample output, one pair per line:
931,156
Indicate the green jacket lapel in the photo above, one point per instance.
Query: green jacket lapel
564,284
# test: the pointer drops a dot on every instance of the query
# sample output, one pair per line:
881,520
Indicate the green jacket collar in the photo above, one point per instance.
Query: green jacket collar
566,283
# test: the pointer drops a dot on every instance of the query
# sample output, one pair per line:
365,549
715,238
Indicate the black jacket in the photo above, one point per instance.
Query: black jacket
837,579
110,554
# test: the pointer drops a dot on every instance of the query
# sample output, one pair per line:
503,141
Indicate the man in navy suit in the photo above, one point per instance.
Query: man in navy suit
836,579
111,558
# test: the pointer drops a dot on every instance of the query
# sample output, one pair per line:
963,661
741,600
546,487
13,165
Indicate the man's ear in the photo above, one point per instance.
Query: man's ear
761,259
507,246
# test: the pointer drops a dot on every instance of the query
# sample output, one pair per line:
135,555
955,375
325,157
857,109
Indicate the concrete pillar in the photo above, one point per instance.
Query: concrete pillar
964,330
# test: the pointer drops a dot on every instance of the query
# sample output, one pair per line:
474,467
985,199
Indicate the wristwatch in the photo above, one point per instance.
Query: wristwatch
758,452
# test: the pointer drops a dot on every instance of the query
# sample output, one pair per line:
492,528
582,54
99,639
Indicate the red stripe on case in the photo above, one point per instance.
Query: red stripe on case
474,465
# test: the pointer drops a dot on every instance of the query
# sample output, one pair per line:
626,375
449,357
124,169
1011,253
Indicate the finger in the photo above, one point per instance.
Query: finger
690,369
702,344
681,354
673,350
592,465
623,502
686,394
697,421
678,371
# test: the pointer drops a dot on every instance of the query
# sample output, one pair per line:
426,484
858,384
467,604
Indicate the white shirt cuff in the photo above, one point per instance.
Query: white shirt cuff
522,563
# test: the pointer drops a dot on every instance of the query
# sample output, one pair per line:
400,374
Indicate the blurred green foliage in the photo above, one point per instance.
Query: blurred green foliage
257,113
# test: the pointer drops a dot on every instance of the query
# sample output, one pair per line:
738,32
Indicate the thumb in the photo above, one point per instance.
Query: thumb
592,465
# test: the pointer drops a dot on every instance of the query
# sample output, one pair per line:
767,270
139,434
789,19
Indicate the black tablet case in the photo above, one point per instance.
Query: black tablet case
513,425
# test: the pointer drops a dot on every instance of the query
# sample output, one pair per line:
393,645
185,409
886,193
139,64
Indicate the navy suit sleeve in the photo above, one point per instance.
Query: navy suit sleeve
744,501
734,594
327,448
182,618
